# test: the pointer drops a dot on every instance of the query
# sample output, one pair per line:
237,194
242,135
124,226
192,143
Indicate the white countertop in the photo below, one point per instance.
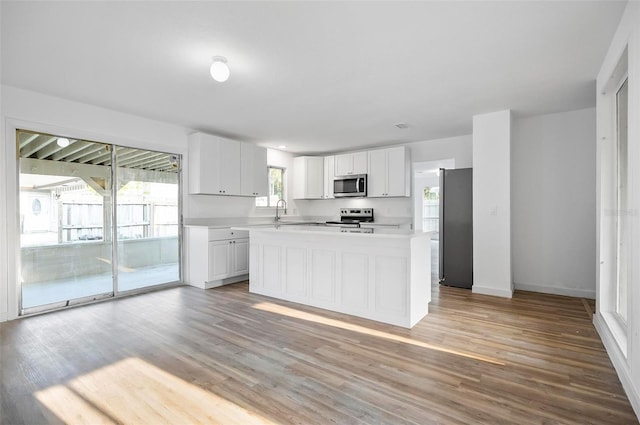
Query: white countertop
338,231
238,222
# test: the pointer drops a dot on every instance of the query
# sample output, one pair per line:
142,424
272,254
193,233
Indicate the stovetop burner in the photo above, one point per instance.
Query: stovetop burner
352,217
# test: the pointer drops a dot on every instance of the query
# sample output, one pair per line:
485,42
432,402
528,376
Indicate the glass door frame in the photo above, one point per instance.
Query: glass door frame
115,292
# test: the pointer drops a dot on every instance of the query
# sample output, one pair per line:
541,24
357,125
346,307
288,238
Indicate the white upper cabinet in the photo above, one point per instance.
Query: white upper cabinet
214,165
329,175
308,182
219,166
253,170
351,163
377,178
389,172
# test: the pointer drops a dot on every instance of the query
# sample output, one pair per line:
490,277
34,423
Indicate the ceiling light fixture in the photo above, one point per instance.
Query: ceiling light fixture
63,142
282,147
219,69
401,125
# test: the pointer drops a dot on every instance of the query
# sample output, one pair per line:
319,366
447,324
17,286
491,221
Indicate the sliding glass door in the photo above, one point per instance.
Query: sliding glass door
147,216
69,250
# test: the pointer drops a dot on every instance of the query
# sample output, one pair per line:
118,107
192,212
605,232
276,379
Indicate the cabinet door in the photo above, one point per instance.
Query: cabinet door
397,184
315,178
377,178
240,256
308,182
253,170
260,176
299,177
219,260
203,151
329,170
343,164
228,166
360,160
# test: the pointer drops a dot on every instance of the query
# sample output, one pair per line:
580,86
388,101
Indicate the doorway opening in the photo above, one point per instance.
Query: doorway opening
426,205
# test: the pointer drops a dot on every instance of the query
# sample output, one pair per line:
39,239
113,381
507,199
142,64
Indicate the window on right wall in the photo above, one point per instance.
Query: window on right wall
276,188
622,207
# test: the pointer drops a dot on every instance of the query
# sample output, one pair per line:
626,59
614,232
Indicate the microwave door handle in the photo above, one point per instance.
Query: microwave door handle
358,185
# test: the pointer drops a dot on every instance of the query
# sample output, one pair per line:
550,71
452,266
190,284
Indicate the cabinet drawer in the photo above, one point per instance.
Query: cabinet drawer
222,234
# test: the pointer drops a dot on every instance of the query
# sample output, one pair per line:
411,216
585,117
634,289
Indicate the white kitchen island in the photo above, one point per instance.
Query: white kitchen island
383,276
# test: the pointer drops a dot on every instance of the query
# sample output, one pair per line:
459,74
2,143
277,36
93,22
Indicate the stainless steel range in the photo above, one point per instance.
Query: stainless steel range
352,217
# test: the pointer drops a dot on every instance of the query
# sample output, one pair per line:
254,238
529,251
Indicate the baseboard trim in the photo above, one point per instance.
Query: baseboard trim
227,281
569,292
484,290
619,362
4,316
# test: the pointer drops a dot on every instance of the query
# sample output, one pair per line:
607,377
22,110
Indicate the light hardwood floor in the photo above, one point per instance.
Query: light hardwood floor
186,355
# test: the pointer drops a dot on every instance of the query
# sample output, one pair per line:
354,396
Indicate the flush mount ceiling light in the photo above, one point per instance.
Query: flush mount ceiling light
219,69
401,125
282,146
63,142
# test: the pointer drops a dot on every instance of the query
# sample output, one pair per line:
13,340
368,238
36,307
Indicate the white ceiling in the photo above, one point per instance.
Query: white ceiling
315,76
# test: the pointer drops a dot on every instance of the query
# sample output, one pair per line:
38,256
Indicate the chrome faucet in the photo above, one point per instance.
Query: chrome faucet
277,218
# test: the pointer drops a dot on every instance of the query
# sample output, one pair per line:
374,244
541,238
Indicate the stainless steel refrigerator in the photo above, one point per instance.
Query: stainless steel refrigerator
456,227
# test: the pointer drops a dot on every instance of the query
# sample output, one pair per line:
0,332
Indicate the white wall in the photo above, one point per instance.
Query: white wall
459,148
622,342
492,273
553,203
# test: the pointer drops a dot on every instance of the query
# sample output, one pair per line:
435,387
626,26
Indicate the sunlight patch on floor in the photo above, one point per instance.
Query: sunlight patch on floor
298,314
133,391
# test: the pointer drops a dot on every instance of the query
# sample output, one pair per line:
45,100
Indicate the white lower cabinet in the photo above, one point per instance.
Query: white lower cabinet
216,256
228,258
219,260
240,257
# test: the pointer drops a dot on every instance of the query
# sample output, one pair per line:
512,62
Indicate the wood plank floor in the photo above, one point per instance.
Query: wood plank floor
185,355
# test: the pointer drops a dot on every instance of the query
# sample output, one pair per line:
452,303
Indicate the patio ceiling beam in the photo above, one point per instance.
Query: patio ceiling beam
95,154
35,146
26,138
86,151
139,163
49,150
60,168
133,153
75,147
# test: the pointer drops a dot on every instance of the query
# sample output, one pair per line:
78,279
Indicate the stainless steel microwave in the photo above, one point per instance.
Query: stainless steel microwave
354,185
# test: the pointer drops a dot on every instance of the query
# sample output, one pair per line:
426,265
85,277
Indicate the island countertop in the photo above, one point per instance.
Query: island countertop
318,229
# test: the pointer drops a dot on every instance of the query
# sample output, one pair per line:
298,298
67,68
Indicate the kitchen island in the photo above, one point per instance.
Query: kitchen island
383,276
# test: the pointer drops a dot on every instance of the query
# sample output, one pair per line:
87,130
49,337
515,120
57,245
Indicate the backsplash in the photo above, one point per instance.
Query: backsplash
383,207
